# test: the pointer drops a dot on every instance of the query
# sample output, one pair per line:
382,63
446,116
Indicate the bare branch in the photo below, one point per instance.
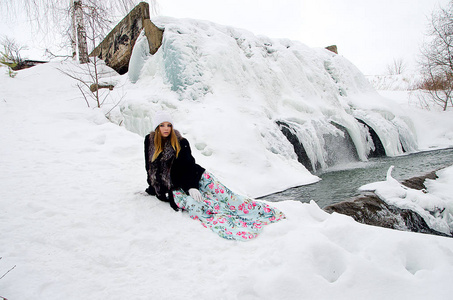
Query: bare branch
397,67
437,58
70,19
12,49
73,76
84,96
7,271
49,53
116,104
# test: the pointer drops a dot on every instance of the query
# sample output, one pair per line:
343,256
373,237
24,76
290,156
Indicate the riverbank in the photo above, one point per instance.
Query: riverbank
341,184
409,206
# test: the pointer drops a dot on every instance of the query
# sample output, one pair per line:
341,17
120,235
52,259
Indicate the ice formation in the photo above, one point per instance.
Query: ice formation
255,84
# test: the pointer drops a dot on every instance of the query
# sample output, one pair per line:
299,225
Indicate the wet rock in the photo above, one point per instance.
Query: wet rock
369,209
418,183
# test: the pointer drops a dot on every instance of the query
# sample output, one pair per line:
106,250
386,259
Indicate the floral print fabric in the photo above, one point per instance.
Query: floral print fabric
230,215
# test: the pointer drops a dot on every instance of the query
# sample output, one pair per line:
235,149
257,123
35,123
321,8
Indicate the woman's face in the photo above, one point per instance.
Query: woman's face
165,129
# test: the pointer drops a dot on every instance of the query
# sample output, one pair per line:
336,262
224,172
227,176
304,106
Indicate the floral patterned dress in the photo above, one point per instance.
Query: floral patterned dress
230,215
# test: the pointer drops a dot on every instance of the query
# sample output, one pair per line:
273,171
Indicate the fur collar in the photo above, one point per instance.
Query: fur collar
159,171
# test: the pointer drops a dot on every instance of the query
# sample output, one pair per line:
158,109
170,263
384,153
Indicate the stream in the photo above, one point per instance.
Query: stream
342,182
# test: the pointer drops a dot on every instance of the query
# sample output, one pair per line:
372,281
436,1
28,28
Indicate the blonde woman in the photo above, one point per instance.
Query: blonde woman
174,177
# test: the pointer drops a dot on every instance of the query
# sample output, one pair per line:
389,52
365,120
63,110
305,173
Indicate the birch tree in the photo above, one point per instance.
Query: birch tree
48,16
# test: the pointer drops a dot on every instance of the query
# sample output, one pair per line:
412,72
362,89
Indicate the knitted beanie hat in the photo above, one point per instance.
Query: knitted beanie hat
160,117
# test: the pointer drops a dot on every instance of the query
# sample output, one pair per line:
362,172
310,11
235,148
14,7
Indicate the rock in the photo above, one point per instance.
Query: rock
332,48
369,209
418,183
116,48
27,64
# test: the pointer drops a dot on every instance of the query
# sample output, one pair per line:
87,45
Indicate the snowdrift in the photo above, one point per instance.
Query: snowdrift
75,223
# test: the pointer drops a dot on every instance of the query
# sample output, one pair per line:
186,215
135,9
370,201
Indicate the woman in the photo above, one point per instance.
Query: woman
174,177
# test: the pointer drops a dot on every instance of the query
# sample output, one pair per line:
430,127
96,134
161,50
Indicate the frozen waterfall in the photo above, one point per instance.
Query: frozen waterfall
261,102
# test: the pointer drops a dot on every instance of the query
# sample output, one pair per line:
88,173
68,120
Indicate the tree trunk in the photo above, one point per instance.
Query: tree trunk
81,33
73,33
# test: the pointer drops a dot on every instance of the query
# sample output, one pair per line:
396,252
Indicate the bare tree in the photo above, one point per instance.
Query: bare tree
11,55
72,16
78,25
397,67
12,49
95,16
437,58
437,88
94,79
88,75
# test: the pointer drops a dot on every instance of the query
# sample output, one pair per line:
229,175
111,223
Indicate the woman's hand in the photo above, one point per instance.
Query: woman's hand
196,195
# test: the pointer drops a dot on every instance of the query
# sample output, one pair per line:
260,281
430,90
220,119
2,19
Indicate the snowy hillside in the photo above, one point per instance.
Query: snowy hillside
76,225
241,98
75,221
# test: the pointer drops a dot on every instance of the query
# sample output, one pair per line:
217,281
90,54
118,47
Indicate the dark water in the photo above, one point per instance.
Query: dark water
342,183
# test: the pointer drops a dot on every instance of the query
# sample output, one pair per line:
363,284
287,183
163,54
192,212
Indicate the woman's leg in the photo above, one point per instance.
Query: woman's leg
230,215
225,200
209,215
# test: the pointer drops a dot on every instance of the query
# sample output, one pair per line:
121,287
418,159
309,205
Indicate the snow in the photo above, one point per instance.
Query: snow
76,223
435,204
239,86
432,126
399,82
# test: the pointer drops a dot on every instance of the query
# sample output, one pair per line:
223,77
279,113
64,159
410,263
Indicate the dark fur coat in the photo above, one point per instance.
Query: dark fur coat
168,172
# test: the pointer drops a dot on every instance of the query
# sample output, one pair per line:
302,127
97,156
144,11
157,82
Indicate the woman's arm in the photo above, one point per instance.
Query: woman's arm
185,172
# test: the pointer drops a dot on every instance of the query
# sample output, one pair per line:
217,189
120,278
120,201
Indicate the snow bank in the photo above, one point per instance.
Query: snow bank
76,224
433,128
435,204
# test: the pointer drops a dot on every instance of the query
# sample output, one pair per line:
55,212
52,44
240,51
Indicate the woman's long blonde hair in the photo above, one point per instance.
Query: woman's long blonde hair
159,143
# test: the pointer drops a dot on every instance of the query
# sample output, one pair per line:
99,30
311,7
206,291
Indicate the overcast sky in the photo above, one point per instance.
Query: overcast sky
370,33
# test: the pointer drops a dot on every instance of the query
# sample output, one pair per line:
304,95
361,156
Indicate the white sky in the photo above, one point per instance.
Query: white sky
370,33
